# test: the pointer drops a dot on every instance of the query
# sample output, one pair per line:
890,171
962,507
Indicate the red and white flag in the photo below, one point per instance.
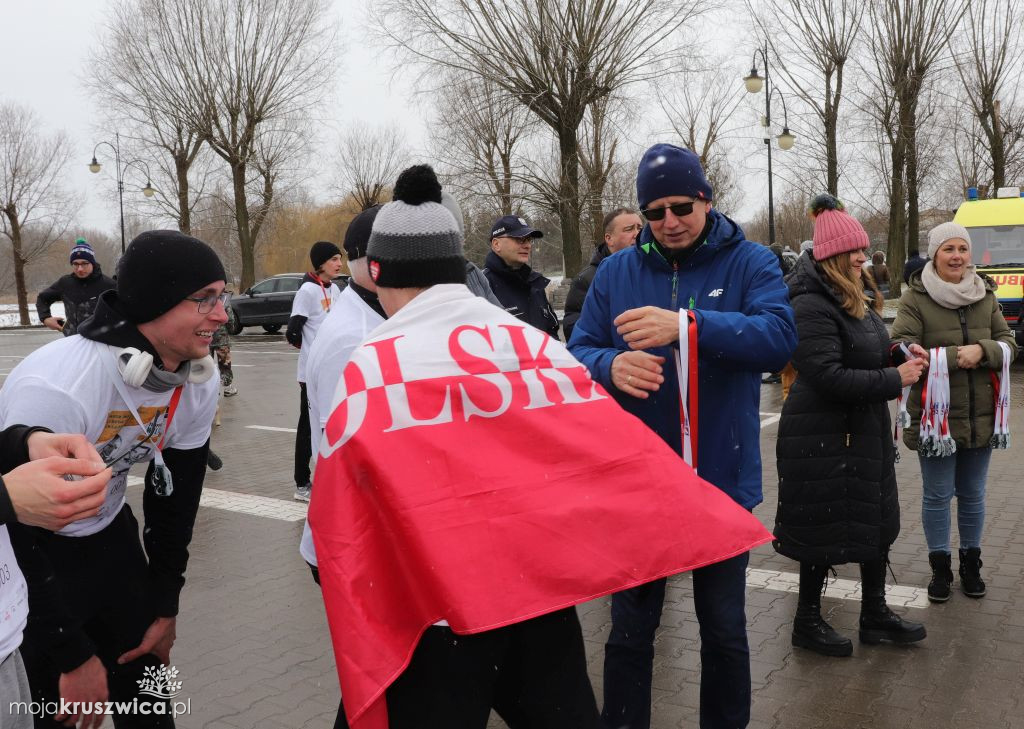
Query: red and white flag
472,471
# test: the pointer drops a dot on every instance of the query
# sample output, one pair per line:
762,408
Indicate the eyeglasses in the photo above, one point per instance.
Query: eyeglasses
209,303
680,210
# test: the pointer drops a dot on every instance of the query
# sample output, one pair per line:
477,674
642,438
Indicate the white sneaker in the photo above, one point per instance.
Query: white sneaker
230,390
302,493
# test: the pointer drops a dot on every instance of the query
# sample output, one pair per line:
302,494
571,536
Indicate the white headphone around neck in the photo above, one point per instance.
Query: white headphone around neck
134,366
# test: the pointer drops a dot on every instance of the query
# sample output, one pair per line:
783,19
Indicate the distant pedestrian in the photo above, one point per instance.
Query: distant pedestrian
221,350
312,302
952,311
879,270
838,500
914,264
78,290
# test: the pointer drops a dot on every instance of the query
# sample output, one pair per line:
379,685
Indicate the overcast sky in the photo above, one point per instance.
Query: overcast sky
43,54
46,43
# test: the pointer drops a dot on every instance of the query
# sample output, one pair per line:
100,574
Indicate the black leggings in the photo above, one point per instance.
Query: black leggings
303,444
103,577
534,674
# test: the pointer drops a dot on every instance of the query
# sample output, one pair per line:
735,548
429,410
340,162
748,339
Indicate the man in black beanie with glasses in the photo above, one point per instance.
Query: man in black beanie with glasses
138,382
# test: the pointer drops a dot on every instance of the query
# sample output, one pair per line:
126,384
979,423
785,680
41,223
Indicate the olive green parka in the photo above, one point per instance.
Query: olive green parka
922,321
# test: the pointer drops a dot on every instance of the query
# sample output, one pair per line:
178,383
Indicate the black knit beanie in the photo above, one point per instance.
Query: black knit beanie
357,236
415,241
321,252
162,267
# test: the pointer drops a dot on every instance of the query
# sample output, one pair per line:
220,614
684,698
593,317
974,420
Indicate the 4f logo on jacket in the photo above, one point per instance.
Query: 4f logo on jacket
716,293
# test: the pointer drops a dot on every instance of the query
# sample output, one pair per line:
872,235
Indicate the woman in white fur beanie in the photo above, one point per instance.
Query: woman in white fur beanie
951,310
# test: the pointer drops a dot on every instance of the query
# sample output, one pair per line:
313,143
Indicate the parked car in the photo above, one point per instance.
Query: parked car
268,303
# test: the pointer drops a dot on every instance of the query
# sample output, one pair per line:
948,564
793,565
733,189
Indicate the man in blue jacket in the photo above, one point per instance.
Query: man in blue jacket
692,257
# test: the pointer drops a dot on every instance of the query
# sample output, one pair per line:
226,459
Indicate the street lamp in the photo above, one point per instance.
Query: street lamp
120,170
754,82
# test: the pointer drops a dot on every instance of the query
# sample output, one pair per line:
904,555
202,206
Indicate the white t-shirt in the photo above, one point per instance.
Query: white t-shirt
13,599
343,329
66,387
312,301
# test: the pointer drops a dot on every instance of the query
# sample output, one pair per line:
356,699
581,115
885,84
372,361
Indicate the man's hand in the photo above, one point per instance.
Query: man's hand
51,322
65,445
969,356
85,684
637,373
158,640
42,497
648,327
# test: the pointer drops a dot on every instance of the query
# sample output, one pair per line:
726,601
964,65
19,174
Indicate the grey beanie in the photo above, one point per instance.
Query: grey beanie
806,245
452,206
415,241
943,232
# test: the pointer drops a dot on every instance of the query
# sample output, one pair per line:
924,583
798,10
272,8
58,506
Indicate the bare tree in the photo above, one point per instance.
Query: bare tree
597,157
130,92
369,160
989,67
35,210
480,130
908,38
557,57
702,114
230,70
812,44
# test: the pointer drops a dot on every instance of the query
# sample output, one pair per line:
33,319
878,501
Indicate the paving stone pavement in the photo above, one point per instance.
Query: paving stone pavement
253,648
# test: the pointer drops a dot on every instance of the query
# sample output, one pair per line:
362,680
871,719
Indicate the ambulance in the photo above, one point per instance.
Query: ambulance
997,246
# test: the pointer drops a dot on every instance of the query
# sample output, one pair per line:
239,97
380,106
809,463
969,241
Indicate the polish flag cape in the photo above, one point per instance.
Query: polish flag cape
471,471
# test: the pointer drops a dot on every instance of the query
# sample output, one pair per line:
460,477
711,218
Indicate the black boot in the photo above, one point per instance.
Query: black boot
809,629
942,576
970,572
877,622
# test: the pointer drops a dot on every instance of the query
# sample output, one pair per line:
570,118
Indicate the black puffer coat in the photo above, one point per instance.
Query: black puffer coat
521,292
78,294
580,286
837,484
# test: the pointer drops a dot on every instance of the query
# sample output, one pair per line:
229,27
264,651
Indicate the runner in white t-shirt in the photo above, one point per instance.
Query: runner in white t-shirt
312,302
355,314
138,382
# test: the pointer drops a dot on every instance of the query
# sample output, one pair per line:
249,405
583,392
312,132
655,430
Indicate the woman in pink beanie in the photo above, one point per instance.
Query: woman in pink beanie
838,501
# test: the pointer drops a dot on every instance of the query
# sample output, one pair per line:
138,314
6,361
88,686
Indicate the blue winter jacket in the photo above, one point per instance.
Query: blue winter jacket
744,327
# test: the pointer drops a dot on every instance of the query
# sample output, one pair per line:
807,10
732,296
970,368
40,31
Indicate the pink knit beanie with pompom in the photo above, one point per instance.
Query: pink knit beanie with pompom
835,230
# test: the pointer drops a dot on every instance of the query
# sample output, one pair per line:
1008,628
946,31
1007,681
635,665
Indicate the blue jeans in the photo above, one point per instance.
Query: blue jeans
962,474
719,594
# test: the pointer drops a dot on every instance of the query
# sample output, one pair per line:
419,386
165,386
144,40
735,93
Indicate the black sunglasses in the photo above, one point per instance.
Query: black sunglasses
680,210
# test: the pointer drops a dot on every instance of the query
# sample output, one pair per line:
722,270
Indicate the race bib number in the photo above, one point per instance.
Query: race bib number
13,597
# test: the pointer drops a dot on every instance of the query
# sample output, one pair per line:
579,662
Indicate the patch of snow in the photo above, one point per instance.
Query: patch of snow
9,314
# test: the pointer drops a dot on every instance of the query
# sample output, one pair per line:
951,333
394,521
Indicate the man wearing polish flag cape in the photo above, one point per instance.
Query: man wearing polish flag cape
474,484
